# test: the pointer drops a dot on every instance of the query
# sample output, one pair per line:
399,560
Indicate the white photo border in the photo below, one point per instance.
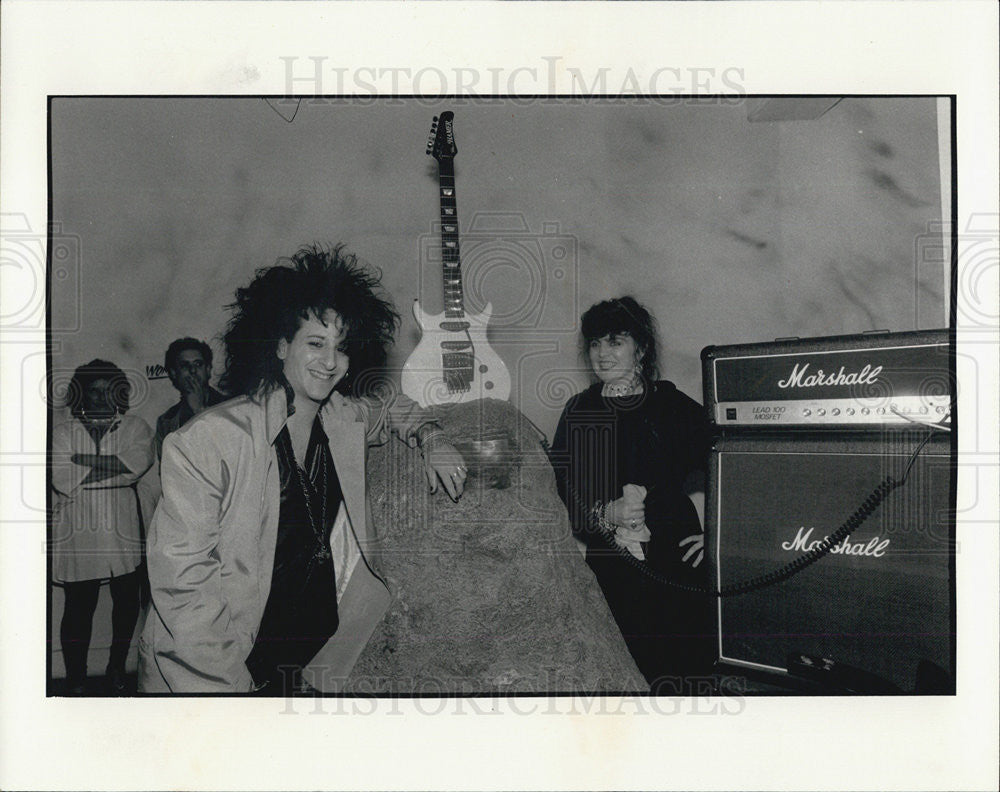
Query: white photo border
190,48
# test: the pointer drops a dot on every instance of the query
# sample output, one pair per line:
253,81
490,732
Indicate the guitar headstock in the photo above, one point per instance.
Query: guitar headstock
441,142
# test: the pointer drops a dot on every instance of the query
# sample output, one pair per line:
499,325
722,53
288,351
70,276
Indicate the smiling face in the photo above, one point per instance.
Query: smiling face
314,361
614,358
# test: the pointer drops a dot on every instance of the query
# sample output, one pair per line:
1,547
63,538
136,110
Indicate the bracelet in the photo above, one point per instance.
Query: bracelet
434,431
600,516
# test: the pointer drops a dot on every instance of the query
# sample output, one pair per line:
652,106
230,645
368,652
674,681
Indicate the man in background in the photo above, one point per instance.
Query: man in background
189,364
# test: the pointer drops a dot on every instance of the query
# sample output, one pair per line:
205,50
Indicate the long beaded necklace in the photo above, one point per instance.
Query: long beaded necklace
322,551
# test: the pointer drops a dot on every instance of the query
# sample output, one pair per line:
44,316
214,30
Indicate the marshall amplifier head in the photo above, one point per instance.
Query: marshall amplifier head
853,381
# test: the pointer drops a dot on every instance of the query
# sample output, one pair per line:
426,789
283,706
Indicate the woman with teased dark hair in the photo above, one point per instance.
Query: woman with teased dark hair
262,553
273,306
97,455
622,451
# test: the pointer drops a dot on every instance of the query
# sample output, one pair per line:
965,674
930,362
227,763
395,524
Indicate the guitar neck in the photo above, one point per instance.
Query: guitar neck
451,266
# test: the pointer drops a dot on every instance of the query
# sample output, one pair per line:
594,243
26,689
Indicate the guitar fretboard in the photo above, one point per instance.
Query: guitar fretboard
451,261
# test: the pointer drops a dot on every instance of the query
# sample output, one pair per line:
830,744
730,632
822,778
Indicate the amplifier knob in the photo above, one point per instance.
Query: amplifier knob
881,410
923,410
807,412
821,411
865,411
850,411
835,411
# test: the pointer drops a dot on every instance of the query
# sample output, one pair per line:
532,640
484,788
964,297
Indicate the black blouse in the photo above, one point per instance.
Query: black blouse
301,610
655,439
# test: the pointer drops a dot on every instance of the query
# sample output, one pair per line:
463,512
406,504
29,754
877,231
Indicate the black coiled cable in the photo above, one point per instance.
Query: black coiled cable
863,512
871,503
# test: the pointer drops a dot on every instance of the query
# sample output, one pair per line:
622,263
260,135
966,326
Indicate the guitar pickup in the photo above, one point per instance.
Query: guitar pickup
458,360
454,326
457,346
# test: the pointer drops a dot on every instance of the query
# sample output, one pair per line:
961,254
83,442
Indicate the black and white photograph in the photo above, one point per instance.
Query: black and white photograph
511,298
530,400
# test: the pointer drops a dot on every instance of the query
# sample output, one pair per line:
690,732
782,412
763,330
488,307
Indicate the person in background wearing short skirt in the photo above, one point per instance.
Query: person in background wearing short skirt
98,454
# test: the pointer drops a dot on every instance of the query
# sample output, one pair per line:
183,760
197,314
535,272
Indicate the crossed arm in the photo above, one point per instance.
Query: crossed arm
101,467
72,468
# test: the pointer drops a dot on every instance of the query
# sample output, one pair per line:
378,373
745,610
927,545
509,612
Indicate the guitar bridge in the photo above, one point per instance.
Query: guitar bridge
458,370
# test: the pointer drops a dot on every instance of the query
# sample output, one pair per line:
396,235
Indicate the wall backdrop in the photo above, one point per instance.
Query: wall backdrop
728,230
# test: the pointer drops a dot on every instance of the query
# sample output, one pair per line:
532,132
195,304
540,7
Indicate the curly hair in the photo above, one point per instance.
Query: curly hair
619,316
88,373
183,345
308,284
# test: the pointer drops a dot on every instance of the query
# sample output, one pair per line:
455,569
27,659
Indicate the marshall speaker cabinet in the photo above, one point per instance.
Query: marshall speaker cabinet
816,435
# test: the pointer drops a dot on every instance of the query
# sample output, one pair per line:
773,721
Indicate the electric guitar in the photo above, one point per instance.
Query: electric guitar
453,362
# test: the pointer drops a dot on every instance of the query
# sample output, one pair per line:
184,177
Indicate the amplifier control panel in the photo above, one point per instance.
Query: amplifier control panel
836,412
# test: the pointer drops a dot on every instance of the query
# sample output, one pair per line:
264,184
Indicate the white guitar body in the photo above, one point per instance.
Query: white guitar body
425,379
453,362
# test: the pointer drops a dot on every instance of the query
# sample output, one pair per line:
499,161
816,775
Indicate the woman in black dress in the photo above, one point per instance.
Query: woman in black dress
622,452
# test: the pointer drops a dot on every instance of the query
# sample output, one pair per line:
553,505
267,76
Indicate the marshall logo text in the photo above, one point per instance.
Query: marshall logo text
799,379
803,542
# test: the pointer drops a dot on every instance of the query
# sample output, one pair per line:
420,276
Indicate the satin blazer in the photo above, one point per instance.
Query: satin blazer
211,542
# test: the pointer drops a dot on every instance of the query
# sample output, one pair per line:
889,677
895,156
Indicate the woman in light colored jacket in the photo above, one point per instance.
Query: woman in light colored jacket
263,559
98,454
